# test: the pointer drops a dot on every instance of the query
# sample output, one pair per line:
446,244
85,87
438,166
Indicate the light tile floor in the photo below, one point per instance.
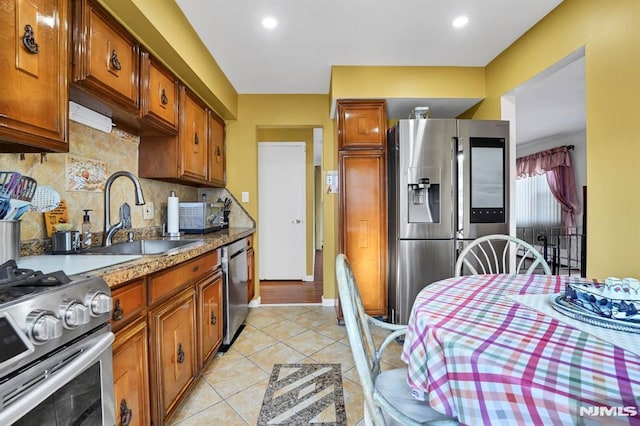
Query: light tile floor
232,387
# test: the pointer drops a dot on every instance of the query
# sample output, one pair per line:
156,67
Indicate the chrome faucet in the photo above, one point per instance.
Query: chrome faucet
109,231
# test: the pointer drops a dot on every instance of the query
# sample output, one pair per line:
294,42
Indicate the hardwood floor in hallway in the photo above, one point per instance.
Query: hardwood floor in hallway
289,292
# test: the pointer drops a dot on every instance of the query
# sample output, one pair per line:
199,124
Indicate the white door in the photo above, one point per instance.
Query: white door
281,210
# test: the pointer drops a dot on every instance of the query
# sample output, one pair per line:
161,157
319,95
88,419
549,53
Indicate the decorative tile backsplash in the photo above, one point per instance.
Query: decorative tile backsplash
114,151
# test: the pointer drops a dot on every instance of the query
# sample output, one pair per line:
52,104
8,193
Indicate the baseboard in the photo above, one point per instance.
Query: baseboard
255,303
328,302
308,278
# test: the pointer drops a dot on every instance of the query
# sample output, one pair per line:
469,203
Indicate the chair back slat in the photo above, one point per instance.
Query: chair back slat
359,333
481,256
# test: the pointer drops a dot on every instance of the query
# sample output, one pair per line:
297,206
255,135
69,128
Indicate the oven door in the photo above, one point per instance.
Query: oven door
71,386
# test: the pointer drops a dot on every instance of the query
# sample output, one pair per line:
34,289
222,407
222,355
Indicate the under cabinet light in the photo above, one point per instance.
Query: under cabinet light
89,117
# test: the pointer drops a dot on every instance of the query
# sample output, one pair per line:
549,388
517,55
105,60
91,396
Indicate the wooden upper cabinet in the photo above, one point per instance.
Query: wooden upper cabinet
193,138
217,166
33,83
361,124
159,92
106,59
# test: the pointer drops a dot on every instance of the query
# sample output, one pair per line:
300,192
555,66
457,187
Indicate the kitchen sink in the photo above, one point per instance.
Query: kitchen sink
143,247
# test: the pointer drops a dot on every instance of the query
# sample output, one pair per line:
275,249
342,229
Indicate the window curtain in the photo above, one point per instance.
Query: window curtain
556,165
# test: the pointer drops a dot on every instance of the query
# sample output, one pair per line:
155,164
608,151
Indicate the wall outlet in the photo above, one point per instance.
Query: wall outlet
147,211
245,197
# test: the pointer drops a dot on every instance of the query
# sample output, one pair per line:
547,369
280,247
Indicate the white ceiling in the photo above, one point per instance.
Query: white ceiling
313,35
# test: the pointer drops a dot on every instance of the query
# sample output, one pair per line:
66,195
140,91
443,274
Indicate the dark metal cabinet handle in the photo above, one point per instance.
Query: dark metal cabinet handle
196,140
163,97
214,320
125,413
118,312
115,62
180,354
29,41
218,153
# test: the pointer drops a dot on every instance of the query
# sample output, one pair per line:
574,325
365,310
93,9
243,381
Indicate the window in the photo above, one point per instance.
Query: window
535,204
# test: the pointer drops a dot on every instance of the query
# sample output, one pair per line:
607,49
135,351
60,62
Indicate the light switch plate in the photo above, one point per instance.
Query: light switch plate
245,197
147,211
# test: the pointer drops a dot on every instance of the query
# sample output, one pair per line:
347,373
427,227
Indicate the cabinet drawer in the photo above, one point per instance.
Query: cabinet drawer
173,279
128,303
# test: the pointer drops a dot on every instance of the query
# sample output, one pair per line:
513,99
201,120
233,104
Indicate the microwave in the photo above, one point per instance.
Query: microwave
200,217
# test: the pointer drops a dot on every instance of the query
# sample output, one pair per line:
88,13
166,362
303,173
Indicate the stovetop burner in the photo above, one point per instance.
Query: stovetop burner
11,276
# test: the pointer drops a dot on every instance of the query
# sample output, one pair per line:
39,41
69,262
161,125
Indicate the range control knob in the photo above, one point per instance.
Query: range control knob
74,313
43,326
99,303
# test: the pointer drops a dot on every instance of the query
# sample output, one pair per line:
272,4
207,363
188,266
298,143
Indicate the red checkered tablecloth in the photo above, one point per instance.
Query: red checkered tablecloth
475,354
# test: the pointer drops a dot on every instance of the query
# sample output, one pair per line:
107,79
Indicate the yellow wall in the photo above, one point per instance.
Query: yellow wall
357,82
257,112
298,135
609,31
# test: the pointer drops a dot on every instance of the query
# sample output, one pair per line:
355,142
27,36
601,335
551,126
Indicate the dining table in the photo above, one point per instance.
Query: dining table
488,350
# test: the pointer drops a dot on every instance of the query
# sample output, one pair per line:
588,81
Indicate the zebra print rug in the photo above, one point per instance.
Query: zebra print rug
304,394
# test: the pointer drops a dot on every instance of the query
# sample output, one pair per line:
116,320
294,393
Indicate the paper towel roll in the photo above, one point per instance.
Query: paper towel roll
173,214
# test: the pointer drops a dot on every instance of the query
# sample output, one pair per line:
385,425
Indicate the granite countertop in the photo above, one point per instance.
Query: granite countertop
118,269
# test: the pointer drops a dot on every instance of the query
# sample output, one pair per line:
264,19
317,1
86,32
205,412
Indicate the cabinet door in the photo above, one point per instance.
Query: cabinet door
106,57
217,171
209,316
159,96
193,138
173,326
33,83
131,375
361,124
363,223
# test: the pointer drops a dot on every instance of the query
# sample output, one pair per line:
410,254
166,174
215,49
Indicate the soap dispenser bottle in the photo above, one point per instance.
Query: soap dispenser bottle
86,230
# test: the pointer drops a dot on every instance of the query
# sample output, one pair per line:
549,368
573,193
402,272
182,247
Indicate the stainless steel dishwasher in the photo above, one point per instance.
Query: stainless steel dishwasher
235,273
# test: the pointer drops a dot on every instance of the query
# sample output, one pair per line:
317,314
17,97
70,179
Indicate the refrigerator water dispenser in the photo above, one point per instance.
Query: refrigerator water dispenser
424,198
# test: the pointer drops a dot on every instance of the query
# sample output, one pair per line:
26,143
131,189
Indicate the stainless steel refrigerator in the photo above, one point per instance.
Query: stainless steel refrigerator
448,183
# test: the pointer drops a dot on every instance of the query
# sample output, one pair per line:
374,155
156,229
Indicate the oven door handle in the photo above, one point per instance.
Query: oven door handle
55,381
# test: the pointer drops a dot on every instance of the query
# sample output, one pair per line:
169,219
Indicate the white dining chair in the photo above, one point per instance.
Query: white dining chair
387,396
494,254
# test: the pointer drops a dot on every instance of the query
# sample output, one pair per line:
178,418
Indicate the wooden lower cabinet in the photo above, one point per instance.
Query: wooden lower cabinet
173,352
168,326
131,375
209,317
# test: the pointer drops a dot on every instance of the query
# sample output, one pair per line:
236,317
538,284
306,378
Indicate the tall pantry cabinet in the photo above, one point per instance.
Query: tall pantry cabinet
362,142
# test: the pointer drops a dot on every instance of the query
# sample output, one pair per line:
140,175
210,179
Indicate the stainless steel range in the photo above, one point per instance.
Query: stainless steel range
55,356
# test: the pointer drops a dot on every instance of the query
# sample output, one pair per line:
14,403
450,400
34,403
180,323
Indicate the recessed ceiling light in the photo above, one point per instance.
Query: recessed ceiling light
460,21
269,23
